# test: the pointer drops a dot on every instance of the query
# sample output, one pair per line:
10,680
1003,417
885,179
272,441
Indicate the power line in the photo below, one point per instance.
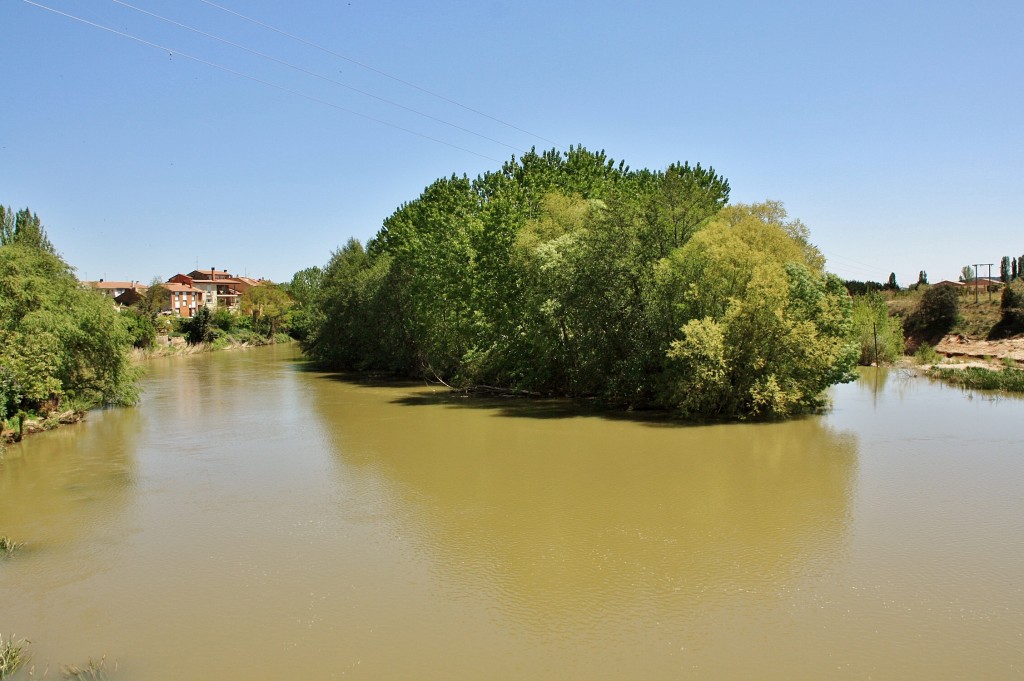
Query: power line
255,79
854,265
377,71
312,73
833,256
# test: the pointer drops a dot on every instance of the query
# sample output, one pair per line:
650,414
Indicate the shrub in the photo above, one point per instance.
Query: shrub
1013,306
224,319
140,327
926,354
936,314
198,328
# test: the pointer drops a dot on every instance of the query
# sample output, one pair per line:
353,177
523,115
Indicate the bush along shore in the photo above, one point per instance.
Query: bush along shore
63,348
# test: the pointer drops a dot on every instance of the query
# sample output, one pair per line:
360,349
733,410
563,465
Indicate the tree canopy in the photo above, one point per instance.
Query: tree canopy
58,340
569,274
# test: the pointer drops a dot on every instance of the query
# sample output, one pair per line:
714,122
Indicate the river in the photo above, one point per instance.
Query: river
253,519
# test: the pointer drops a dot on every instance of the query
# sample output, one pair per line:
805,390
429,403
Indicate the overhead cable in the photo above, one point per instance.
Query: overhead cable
376,70
312,73
255,79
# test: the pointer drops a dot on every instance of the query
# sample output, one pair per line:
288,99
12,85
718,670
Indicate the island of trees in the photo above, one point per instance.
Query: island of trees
564,273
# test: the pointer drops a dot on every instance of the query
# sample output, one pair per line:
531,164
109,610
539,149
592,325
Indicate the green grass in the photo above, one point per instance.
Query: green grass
926,354
1008,380
8,546
12,655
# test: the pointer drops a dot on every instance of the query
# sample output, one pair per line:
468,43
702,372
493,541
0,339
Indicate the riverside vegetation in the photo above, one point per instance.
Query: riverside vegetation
568,274
946,319
62,348
65,349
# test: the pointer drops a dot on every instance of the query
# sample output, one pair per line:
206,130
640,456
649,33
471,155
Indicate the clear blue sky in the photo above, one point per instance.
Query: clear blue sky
895,131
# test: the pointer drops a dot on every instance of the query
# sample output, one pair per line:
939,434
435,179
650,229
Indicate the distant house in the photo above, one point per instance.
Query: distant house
220,288
184,299
131,296
113,289
983,284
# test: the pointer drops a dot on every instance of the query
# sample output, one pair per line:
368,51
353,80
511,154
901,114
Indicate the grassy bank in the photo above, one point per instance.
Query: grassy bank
1006,380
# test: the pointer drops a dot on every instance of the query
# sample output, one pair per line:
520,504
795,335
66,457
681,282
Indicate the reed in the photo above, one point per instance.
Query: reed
1008,380
8,546
93,670
12,655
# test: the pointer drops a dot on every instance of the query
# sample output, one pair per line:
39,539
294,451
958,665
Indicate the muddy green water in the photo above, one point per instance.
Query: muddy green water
254,520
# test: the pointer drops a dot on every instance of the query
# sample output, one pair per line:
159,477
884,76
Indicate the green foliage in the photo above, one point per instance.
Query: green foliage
1012,308
24,228
1008,380
199,327
926,354
860,288
1013,296
872,325
305,288
967,274
1004,269
58,341
155,299
936,314
568,274
764,338
267,305
12,655
224,319
141,328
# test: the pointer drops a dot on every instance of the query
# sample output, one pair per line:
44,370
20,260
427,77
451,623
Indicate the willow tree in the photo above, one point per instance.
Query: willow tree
766,330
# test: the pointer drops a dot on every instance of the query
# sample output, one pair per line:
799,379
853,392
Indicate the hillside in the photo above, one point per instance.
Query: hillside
972,337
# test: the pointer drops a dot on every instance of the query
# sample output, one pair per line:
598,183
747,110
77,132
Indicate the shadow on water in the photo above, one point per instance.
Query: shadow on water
424,394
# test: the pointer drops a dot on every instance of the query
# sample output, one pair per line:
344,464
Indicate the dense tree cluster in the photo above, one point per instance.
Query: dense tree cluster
568,274
59,342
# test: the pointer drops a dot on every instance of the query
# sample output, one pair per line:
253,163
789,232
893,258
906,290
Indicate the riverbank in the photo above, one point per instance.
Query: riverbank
177,346
36,423
1006,350
979,364
14,429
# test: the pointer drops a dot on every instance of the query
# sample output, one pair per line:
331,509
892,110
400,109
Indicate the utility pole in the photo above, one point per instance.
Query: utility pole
987,281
